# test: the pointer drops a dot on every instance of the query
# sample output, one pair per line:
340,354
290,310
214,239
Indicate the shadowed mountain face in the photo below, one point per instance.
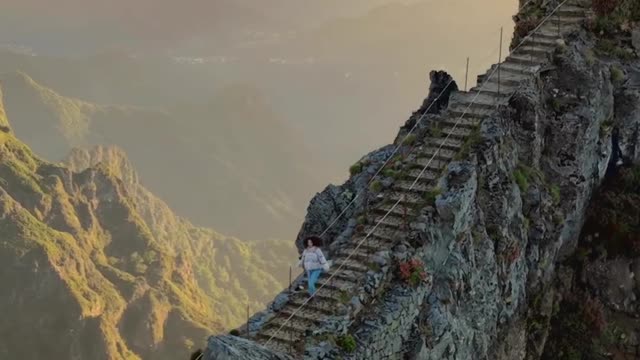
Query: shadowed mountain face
91,256
211,162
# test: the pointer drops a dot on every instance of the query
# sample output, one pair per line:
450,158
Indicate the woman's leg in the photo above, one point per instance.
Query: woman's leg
313,277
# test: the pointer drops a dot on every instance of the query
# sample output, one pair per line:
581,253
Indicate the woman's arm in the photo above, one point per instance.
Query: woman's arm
321,257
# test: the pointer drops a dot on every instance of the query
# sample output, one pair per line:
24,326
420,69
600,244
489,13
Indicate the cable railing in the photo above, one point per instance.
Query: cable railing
401,198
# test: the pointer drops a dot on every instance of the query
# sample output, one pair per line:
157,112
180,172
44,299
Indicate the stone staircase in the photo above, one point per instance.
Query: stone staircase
517,67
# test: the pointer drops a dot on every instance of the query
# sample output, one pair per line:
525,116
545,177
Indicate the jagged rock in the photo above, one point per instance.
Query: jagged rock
234,348
635,39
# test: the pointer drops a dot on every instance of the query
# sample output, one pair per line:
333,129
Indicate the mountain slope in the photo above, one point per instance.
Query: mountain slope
96,259
238,155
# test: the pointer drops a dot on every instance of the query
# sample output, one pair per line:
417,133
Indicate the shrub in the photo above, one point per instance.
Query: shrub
375,186
521,179
555,194
617,75
593,312
431,195
413,272
410,139
234,332
523,28
355,169
346,343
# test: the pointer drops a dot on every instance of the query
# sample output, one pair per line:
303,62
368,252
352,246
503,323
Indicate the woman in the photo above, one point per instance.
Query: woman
313,262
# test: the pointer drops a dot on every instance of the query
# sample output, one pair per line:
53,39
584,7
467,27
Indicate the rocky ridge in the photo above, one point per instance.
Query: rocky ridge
90,255
502,202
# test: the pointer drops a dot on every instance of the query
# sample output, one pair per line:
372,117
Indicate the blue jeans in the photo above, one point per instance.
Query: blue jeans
312,277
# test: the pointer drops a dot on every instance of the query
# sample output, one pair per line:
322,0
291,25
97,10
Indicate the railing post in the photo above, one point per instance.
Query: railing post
558,22
466,75
247,319
289,278
500,60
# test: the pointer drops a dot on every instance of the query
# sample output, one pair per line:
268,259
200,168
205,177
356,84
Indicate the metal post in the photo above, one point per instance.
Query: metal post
558,21
247,319
289,278
500,60
466,75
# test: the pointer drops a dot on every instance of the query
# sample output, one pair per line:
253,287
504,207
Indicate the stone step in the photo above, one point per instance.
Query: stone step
466,122
503,91
475,99
431,162
547,31
373,242
379,233
338,283
362,253
423,176
457,111
564,18
507,78
454,133
399,209
343,274
514,69
283,346
408,198
287,337
351,264
540,41
572,10
318,304
451,144
391,221
535,50
296,323
444,154
308,314
406,185
525,60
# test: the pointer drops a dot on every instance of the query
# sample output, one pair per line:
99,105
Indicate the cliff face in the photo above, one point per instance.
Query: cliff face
505,218
94,266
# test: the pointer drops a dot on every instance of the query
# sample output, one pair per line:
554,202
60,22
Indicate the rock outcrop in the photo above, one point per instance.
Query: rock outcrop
504,205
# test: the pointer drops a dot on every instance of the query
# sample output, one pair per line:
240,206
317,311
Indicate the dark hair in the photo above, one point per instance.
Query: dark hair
315,240
196,355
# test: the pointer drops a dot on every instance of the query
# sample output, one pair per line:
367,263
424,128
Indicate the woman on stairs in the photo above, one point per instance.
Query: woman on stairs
313,262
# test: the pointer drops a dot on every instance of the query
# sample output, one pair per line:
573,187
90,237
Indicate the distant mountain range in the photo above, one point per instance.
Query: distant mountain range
94,266
230,164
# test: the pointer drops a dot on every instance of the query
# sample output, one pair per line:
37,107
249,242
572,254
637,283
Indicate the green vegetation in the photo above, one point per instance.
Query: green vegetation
345,297
376,186
521,179
431,195
355,169
617,75
410,139
609,48
472,141
435,129
347,343
555,194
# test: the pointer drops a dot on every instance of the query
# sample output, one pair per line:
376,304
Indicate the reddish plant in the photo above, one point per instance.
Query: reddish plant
604,7
593,312
413,272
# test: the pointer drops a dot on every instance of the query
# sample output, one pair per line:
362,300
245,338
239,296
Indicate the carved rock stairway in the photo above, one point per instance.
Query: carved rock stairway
517,67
